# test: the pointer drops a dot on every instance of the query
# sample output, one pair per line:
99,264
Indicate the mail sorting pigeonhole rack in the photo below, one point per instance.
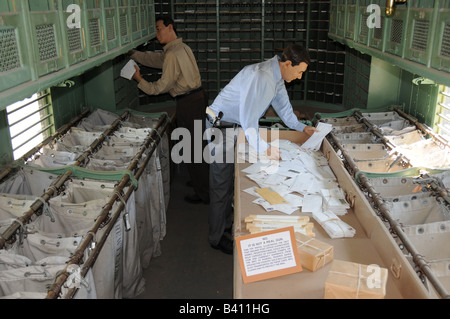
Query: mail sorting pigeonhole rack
76,227
227,35
412,202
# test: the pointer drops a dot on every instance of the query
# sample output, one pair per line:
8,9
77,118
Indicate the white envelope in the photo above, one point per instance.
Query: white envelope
128,70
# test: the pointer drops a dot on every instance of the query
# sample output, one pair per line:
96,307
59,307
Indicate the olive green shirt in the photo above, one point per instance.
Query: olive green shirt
180,72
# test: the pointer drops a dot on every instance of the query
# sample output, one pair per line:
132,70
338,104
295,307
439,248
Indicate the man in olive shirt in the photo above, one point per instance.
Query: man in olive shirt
181,79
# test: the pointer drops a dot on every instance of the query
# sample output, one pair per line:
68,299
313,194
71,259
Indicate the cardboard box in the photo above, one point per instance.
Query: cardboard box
313,253
349,280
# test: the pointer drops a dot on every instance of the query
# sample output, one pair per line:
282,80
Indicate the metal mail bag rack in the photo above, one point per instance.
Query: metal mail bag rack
90,220
408,191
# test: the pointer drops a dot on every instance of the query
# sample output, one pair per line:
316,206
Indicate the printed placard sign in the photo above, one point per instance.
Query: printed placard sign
268,254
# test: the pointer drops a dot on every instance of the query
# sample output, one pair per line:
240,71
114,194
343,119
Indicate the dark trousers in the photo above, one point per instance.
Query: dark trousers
221,179
190,109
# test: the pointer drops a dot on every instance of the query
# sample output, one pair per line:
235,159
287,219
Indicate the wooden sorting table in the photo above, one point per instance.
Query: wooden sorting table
372,243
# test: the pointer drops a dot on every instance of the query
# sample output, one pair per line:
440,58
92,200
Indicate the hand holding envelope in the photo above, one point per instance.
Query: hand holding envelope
129,69
315,140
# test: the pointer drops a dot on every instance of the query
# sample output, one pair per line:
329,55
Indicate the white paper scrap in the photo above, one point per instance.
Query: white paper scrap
294,200
315,140
312,203
251,191
274,179
303,183
284,208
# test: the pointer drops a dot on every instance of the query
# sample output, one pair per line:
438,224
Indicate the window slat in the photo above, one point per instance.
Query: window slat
29,115
29,121
32,137
442,106
32,125
444,117
26,104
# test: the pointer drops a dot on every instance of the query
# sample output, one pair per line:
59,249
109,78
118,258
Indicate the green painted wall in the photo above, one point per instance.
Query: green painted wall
6,154
384,85
418,97
99,87
68,101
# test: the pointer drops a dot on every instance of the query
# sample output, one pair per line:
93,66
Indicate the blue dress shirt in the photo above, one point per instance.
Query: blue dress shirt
245,99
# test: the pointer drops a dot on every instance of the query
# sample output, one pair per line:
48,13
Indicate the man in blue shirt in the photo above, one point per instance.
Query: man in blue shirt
242,103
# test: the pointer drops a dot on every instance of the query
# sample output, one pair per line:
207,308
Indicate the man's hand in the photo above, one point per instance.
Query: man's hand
137,75
273,153
310,130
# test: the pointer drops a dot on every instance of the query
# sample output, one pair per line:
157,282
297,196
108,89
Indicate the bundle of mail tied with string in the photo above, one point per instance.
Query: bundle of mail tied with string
301,181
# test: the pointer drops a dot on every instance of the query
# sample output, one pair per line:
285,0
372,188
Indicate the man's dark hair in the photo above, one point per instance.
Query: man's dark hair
167,20
296,54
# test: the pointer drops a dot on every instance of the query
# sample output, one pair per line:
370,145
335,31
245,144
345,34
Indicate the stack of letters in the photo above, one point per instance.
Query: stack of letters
259,223
301,180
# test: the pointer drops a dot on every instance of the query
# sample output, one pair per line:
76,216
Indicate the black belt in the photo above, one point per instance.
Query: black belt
222,124
189,93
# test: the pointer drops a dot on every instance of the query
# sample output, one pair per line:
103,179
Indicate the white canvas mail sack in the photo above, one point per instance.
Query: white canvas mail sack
52,158
13,206
147,212
28,181
431,239
405,139
419,211
37,246
352,128
76,136
426,153
70,218
98,117
84,200
46,250
366,151
378,118
442,178
387,165
340,121
21,278
76,211
356,138
113,153
115,141
107,165
133,281
397,186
